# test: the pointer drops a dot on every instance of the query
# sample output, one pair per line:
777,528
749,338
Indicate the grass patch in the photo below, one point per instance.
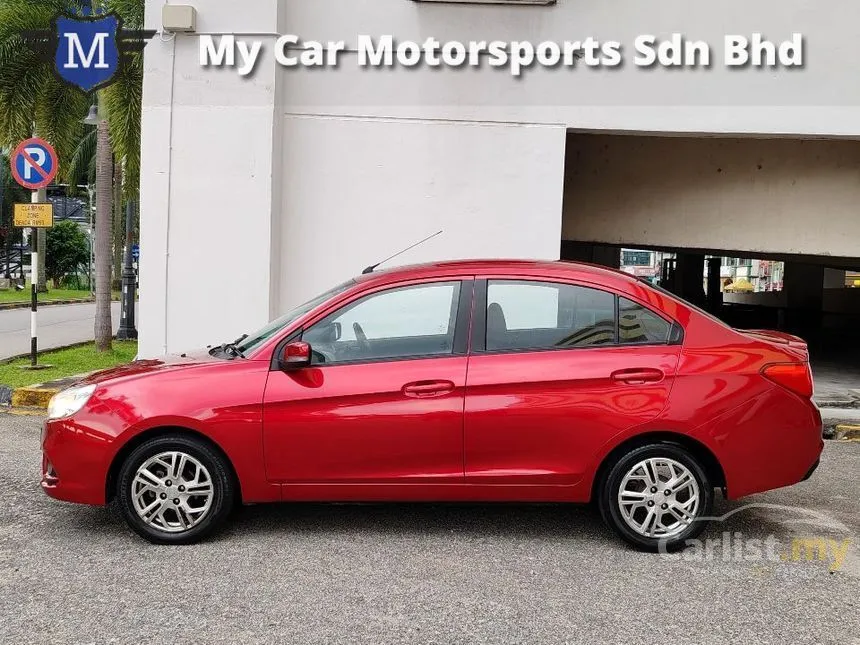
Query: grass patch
12,296
67,362
8,296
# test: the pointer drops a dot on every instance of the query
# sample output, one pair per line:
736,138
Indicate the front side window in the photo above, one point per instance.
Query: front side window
526,315
406,322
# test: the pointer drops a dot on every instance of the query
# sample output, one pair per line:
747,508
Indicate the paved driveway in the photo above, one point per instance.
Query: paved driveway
59,325
414,573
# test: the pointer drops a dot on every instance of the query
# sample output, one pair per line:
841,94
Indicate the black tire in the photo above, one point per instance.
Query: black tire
223,488
607,496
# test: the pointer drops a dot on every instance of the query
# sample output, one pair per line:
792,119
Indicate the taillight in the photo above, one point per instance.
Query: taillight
793,376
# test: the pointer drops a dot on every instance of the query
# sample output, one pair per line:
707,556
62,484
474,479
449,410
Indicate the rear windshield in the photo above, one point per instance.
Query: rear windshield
687,303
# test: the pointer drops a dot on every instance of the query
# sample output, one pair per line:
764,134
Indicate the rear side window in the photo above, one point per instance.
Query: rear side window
638,324
523,315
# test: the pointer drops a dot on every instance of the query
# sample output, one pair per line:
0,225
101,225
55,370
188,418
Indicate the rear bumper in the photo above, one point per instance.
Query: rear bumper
812,470
775,440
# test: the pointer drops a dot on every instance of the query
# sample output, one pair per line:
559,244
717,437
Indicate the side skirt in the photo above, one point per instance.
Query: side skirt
432,493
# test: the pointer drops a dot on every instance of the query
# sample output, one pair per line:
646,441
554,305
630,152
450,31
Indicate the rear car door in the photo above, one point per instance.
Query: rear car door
556,371
383,400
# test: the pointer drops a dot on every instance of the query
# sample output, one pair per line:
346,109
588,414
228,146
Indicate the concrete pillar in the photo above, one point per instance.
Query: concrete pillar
804,290
715,294
603,254
834,279
691,277
208,148
608,256
668,273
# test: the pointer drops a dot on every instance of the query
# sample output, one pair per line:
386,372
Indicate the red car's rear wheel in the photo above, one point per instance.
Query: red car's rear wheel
656,497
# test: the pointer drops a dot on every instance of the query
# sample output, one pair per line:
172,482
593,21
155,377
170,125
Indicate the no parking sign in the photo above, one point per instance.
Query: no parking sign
34,163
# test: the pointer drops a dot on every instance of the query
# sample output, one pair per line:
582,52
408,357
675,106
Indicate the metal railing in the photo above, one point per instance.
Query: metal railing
12,262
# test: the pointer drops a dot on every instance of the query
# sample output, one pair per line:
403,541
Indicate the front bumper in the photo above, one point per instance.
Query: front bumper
76,457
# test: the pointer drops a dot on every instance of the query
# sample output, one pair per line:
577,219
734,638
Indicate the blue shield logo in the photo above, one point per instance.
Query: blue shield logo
87,52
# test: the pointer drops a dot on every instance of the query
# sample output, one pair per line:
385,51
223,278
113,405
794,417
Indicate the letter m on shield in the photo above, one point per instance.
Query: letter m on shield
87,52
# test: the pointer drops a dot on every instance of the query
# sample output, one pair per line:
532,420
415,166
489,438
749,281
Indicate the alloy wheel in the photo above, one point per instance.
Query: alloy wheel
659,498
172,492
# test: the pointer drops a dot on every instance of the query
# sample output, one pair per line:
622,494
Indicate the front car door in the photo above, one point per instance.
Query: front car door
383,400
557,370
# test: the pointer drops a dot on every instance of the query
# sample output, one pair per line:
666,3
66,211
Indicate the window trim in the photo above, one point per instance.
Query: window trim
461,323
479,319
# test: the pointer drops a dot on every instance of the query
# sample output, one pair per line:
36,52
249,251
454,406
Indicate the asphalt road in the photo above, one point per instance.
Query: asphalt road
59,325
412,573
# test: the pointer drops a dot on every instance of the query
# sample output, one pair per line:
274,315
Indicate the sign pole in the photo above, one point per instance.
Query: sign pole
34,289
34,166
127,330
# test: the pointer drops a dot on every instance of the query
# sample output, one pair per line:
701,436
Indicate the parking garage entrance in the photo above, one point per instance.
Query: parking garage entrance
764,233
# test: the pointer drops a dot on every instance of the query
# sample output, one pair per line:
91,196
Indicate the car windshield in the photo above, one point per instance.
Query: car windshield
258,338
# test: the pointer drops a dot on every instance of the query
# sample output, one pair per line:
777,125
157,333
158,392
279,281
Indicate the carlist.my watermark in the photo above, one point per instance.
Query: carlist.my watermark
825,540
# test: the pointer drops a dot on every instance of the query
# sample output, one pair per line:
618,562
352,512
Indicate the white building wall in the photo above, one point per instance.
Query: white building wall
820,99
357,191
243,177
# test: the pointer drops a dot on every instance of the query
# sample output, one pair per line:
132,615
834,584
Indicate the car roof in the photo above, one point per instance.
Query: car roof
535,268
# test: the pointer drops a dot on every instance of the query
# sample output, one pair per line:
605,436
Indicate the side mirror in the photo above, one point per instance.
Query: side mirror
295,355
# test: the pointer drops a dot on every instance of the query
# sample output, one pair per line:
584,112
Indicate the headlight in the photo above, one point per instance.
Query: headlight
68,402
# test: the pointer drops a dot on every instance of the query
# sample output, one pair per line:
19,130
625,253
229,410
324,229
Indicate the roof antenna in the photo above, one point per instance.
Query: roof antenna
373,268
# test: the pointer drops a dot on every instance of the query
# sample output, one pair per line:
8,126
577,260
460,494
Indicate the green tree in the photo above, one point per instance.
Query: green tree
34,101
68,249
83,171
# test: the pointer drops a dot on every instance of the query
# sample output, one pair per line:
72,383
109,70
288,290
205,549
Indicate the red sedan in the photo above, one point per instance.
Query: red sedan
482,381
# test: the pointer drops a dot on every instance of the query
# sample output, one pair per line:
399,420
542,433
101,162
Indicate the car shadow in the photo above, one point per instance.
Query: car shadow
425,519
479,520
470,520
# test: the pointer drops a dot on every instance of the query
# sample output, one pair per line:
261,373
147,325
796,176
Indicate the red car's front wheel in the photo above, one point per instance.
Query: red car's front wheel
175,489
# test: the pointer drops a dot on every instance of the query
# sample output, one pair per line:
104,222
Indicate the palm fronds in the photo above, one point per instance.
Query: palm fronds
21,81
123,100
81,168
132,12
34,101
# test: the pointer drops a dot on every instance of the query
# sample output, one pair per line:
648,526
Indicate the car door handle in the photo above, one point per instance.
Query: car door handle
638,376
427,389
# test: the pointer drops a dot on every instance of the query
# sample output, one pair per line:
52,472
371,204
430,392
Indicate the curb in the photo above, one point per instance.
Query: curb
4,361
48,303
843,403
33,397
38,396
8,306
848,432
23,412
